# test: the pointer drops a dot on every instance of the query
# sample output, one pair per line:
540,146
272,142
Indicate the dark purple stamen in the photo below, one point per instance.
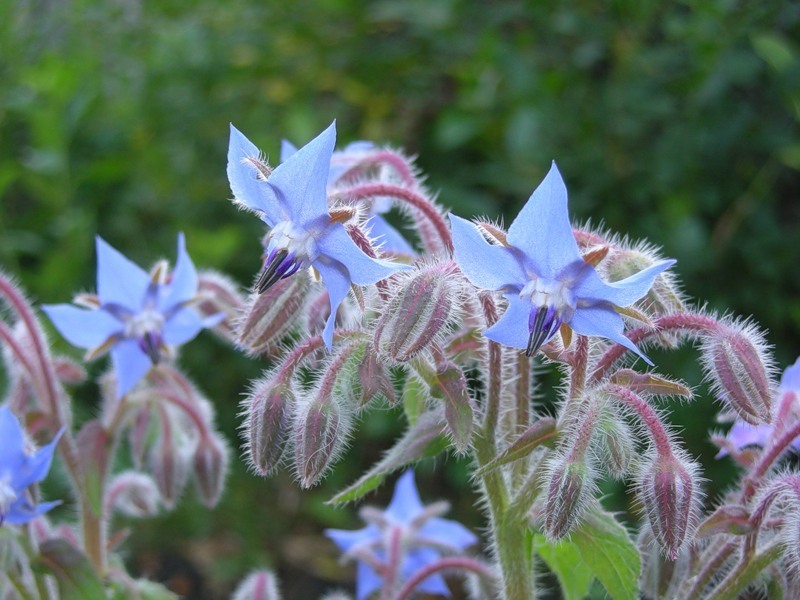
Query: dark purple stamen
151,344
279,265
543,322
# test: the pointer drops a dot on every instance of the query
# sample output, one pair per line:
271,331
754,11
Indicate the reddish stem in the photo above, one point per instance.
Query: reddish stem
648,416
466,564
772,453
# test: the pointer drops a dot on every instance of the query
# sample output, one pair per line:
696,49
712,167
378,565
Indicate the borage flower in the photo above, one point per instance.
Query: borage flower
135,315
543,276
20,469
292,200
342,163
416,533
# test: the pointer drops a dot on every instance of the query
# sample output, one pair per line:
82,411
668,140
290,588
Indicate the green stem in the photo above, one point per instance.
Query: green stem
745,572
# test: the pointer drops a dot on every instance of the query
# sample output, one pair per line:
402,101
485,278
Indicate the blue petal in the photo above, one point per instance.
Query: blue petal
182,326
80,327
487,266
406,504
183,284
387,237
36,466
790,380
542,229
418,559
247,188
287,149
22,511
512,328
367,581
337,282
301,182
603,321
362,270
450,533
589,287
12,450
744,434
119,281
347,539
130,365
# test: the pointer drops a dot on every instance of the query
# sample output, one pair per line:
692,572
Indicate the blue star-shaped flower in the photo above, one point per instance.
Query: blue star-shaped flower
18,470
292,200
136,316
424,538
543,276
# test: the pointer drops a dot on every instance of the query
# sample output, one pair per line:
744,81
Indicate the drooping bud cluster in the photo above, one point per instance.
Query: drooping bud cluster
737,363
134,494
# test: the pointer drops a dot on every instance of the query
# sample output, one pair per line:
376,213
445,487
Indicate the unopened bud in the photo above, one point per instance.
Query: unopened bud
138,434
134,494
68,371
374,378
320,429
270,405
210,468
419,312
216,294
261,585
169,464
616,444
736,361
670,494
272,314
569,489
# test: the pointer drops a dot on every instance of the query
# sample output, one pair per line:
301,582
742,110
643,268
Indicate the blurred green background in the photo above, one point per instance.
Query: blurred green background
672,121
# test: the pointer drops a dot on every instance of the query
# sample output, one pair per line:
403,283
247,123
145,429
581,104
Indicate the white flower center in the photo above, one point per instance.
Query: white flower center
297,242
550,293
149,321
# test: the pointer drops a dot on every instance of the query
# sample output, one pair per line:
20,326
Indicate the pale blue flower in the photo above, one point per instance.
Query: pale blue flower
292,200
543,276
20,469
136,316
342,162
743,434
425,538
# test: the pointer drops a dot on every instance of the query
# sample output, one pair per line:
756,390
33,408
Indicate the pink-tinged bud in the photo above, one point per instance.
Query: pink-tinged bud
271,315
261,585
210,468
570,487
616,443
320,430
419,312
216,294
374,378
268,409
169,463
670,494
138,434
68,371
450,386
738,365
134,494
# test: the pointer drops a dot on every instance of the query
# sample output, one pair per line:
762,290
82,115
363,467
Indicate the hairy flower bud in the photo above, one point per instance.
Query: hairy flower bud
374,378
419,311
134,494
450,386
736,362
260,585
271,315
615,442
219,294
138,434
210,468
570,487
320,430
670,494
169,463
268,408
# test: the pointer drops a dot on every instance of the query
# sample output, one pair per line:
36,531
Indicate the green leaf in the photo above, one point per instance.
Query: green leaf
610,553
415,397
541,432
422,440
565,560
451,388
76,578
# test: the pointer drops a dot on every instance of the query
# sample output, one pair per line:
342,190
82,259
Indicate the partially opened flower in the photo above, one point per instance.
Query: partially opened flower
292,200
135,315
415,530
543,276
19,469
743,434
